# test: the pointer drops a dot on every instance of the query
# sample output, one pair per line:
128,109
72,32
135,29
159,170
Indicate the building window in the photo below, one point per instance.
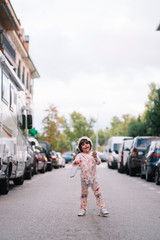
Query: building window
11,98
19,70
5,87
23,76
27,82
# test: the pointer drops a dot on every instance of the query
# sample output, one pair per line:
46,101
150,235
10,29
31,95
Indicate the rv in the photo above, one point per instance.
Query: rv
14,117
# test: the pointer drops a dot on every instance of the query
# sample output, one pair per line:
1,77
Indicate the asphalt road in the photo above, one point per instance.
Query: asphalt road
46,208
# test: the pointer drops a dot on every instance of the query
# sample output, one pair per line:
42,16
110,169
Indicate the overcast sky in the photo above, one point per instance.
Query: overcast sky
96,57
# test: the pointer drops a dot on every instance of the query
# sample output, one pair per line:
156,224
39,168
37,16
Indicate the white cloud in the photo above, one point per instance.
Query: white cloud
89,52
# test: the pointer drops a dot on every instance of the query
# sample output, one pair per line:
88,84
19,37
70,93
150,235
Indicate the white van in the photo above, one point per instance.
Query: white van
114,149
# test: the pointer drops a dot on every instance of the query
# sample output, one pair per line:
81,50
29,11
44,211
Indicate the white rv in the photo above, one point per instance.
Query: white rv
13,119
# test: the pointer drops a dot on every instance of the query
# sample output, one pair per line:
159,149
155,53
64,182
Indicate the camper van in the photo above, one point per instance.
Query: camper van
14,119
114,149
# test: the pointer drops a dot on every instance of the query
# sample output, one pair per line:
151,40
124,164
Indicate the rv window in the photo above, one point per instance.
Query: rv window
5,87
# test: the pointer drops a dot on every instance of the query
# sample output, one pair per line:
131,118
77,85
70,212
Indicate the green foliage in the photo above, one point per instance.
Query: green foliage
78,127
136,127
153,116
53,125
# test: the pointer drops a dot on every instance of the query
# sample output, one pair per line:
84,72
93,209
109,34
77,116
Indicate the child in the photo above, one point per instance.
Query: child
88,161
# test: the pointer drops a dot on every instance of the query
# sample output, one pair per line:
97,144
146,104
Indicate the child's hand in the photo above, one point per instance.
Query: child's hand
94,154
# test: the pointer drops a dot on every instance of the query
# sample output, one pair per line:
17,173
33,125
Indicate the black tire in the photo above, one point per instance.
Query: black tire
36,168
131,172
43,170
148,176
19,181
157,177
4,184
142,176
49,167
109,166
28,175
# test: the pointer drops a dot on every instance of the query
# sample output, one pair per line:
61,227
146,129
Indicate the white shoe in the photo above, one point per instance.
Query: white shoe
103,212
82,212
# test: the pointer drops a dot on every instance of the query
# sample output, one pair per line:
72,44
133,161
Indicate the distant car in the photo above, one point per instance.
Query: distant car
40,160
42,163
137,151
68,156
47,150
100,155
61,159
122,161
149,161
114,148
29,165
55,159
104,156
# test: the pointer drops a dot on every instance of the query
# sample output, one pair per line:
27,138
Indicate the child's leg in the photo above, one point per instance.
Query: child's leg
96,189
84,195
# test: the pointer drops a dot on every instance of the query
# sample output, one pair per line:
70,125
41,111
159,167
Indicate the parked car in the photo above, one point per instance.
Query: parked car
55,159
61,159
42,162
47,150
114,148
138,148
68,156
122,161
40,159
104,157
29,163
149,160
157,173
100,155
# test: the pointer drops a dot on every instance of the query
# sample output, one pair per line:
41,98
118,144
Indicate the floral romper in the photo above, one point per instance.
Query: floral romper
89,179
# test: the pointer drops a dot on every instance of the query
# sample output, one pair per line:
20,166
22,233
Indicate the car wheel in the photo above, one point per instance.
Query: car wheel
131,172
142,176
28,175
19,181
148,176
49,167
43,169
36,168
157,177
4,184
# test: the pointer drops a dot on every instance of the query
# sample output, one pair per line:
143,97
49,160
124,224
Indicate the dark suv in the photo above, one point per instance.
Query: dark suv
136,154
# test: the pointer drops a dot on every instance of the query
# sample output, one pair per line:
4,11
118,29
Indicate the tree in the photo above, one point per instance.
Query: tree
52,130
153,116
78,127
137,127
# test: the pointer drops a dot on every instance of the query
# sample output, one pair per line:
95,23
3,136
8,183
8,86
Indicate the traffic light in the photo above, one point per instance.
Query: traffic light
33,132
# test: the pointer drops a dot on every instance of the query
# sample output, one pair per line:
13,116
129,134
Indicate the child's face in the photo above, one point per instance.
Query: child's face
86,147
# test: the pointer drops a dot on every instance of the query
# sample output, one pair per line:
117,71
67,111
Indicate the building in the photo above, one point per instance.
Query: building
15,46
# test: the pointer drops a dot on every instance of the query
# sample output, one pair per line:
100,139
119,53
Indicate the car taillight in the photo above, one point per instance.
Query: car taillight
155,155
134,152
122,153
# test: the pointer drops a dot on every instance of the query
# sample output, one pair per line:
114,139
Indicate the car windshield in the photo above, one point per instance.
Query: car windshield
144,142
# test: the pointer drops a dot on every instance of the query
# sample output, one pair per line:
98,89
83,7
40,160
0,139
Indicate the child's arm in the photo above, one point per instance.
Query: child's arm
77,160
97,159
